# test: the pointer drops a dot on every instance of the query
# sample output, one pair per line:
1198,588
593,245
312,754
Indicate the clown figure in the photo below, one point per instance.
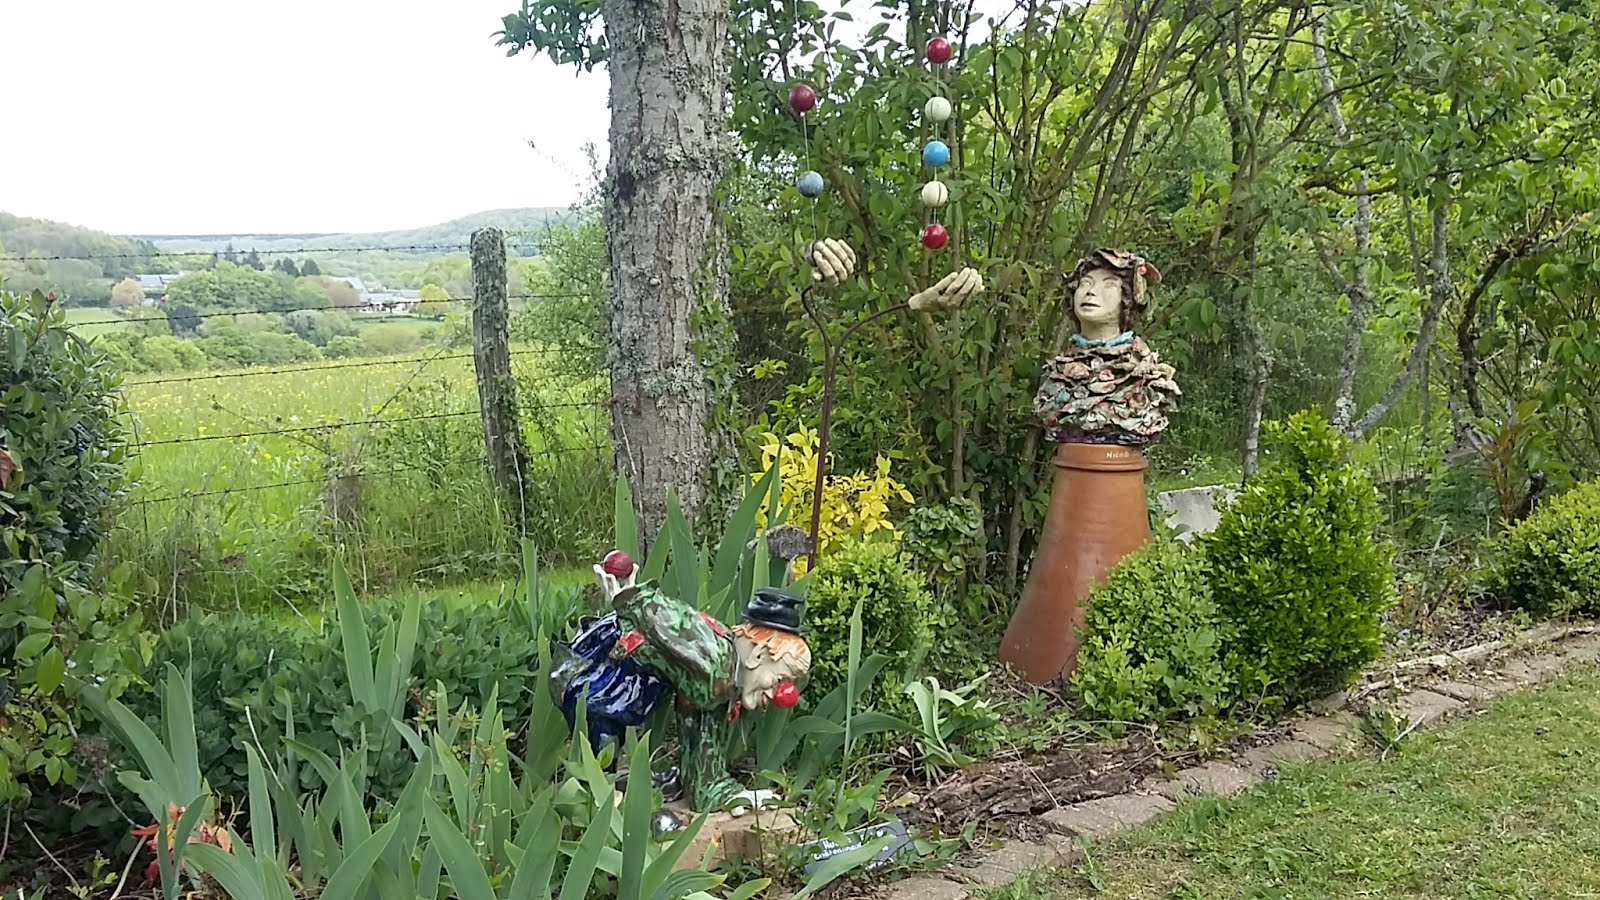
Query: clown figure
716,672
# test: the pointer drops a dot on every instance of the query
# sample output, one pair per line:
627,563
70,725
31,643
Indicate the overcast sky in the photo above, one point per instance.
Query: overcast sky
166,116
206,117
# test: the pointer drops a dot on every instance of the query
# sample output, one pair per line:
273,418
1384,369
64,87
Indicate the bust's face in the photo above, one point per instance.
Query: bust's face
1098,304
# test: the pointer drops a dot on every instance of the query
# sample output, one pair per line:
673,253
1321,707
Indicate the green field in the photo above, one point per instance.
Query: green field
249,483
89,322
1503,805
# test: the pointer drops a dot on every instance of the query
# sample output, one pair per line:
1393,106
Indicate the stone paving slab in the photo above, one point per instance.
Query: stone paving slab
1283,753
1472,693
1011,860
925,887
1107,815
1335,733
1217,778
1423,709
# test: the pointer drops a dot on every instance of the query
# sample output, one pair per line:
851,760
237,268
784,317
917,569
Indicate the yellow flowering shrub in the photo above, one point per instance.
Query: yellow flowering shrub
854,506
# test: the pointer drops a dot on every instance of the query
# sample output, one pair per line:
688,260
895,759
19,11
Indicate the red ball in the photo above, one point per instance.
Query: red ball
940,51
802,99
617,564
934,237
785,696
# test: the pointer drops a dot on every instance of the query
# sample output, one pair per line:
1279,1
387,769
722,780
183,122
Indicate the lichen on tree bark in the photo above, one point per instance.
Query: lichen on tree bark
669,80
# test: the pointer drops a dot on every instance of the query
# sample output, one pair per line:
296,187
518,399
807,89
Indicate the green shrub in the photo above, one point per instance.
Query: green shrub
1152,641
896,614
1549,563
389,340
62,449
241,663
62,456
1298,568
945,541
344,346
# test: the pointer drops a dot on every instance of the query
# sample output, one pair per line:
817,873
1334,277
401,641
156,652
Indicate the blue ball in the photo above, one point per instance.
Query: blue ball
810,184
936,153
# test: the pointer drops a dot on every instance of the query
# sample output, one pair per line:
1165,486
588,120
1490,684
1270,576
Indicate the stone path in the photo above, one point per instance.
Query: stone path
1421,693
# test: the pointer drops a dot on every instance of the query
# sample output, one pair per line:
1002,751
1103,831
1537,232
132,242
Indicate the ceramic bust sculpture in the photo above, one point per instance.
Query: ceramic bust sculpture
1102,400
1108,387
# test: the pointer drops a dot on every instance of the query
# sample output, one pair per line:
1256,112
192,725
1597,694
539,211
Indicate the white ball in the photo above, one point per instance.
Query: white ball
937,110
935,194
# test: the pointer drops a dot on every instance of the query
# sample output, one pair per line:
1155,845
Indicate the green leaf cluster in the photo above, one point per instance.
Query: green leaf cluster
257,682
896,607
1153,641
62,462
1299,569
1549,563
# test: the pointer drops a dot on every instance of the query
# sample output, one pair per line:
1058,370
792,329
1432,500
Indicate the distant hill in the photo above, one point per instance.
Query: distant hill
83,264
52,256
522,227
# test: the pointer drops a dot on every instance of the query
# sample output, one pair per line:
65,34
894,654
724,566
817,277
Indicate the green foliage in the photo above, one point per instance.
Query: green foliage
1153,640
1299,569
241,663
1549,563
945,541
240,287
897,612
565,310
470,818
945,718
384,340
62,456
62,447
45,241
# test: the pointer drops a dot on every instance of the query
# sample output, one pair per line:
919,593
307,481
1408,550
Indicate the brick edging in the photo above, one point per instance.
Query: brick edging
1427,695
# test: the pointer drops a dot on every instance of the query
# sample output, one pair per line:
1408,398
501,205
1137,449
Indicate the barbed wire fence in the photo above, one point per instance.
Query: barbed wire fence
182,519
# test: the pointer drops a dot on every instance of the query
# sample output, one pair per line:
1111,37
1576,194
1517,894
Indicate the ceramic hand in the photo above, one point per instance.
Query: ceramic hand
611,585
744,801
952,291
831,261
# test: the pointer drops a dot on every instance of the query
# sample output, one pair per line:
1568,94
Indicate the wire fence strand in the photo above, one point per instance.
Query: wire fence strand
191,495
319,366
335,426
356,312
261,251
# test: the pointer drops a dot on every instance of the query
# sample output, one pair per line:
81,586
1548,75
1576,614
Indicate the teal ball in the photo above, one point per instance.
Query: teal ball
809,184
936,154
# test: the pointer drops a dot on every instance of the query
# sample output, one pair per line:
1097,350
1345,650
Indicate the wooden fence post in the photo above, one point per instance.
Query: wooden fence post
491,358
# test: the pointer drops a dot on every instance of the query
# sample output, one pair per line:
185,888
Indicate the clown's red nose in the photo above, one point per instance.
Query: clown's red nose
785,696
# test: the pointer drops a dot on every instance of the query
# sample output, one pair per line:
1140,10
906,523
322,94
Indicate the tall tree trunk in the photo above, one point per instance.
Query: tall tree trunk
1358,289
669,83
1440,289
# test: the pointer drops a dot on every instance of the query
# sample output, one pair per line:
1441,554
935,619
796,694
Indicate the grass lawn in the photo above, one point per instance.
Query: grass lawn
1503,805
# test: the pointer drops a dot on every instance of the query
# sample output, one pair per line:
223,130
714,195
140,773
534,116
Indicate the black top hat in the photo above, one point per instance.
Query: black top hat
776,609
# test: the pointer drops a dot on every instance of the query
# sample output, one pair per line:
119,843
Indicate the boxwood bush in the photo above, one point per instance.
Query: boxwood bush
1549,563
1299,569
1153,640
897,612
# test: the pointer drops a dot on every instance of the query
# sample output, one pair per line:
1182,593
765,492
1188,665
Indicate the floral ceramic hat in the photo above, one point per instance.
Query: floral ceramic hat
1128,265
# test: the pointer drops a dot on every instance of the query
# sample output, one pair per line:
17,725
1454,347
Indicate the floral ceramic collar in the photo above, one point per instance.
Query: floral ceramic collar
1079,340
